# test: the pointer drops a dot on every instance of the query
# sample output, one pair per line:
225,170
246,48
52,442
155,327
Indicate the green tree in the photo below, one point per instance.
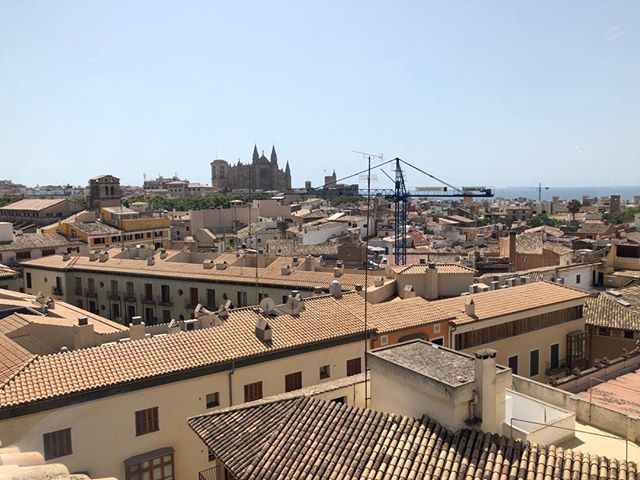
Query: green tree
574,207
544,219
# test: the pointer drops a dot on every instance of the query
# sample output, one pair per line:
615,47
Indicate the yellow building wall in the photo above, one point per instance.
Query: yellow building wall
103,430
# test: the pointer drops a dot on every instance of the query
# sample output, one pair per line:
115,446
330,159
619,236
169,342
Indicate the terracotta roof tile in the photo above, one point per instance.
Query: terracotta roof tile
621,312
311,438
505,301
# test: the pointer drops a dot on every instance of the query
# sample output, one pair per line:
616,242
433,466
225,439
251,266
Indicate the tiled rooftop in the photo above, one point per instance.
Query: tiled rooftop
6,272
172,269
607,310
311,438
35,204
442,268
504,301
620,394
29,241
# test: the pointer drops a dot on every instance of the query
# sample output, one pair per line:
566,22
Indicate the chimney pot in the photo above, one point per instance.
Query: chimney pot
470,308
83,321
136,320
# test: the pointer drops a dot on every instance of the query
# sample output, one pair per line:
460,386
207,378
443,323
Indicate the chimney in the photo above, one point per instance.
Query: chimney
358,287
511,282
559,280
524,280
136,329
408,292
207,264
470,308
83,335
104,256
337,272
495,284
335,289
93,255
151,260
473,288
318,290
66,256
263,330
512,251
486,389
423,261
285,270
431,292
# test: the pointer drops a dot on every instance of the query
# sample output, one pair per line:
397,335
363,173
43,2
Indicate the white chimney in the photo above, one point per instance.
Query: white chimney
486,389
83,336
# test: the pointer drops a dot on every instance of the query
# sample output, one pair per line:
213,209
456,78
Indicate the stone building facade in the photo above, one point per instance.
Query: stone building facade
260,174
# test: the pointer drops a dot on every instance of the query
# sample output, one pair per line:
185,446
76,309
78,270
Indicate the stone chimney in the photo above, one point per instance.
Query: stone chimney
486,390
335,289
83,334
512,251
431,290
136,329
470,308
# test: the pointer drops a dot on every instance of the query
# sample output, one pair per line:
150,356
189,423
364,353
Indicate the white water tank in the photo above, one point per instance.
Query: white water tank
6,232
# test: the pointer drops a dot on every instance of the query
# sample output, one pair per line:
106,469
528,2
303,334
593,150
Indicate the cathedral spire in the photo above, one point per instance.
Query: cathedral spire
255,153
287,170
274,156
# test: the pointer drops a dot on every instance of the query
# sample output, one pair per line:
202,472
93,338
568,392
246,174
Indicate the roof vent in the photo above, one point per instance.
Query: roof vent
524,280
432,264
104,256
559,280
151,261
295,261
423,261
511,282
473,288
63,349
223,311
318,290
163,253
222,265
93,255
337,272
136,320
285,270
263,330
495,284
378,281
66,256
615,293
623,302
335,289
208,264
83,321
358,287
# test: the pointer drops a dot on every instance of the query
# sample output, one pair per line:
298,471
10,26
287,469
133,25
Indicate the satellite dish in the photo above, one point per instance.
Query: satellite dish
267,305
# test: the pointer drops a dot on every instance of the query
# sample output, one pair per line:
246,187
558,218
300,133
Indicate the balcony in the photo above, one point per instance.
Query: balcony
130,297
91,293
213,473
149,300
57,291
165,301
113,295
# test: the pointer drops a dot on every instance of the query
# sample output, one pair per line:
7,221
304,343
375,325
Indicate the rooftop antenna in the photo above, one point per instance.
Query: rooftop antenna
368,156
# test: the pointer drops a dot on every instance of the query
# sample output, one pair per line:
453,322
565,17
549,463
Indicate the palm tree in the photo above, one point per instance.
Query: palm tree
574,207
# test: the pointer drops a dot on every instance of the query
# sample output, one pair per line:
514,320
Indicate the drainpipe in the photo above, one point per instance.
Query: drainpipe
231,372
452,329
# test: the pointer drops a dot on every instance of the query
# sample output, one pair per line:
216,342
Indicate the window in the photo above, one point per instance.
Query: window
628,334
193,296
262,296
210,455
211,298
130,291
436,328
525,259
242,299
28,280
115,310
578,278
57,444
23,255
151,468
354,366
48,251
253,391
147,421
325,371
285,298
114,287
293,381
166,316
438,341
213,399
554,356
605,332
534,362
513,364
148,291
384,340
165,292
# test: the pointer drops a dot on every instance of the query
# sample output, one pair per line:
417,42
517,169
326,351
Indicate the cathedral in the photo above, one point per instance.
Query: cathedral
261,174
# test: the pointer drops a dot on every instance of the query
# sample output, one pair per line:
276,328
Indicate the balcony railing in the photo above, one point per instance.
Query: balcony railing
130,297
213,473
90,292
165,301
114,295
147,299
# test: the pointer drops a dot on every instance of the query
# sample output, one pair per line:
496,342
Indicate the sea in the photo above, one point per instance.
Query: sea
566,193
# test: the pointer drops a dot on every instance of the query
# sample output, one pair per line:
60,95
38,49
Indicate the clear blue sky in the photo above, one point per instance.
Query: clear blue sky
478,92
